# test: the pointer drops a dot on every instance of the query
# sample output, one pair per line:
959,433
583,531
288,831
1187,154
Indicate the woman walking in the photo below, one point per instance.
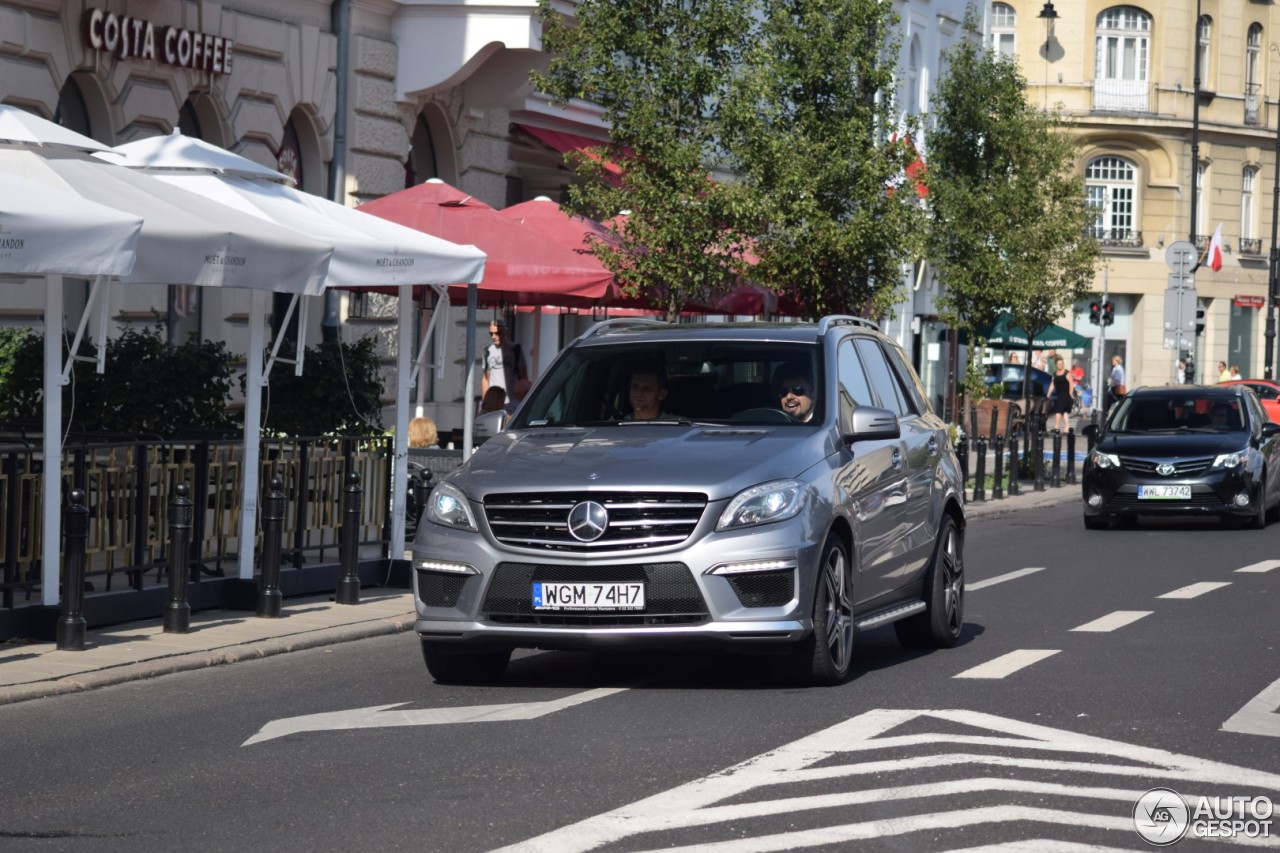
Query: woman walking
1061,397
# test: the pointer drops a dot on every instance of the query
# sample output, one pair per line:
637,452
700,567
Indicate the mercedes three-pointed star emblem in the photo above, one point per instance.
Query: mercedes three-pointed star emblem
588,521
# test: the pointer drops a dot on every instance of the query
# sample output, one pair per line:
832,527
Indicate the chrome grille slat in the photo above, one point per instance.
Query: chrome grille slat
637,520
1182,468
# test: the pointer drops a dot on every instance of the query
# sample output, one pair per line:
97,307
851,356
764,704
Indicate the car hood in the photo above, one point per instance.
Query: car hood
716,461
1187,445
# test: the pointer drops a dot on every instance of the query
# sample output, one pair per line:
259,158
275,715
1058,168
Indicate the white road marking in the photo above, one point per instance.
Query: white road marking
379,716
1008,664
1264,566
1195,590
970,587
1259,716
1115,620
719,804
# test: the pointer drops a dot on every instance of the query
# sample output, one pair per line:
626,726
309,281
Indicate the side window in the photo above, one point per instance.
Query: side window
908,379
1264,392
854,390
882,378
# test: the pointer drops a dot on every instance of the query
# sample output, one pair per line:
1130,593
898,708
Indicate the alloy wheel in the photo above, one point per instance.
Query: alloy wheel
839,613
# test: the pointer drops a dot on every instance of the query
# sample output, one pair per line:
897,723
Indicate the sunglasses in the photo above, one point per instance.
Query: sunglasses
798,390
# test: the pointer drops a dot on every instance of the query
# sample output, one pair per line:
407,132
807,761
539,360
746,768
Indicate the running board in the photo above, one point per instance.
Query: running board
893,614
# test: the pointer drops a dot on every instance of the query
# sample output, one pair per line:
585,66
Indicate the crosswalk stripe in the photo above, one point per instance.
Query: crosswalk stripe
1008,664
1195,590
970,587
1112,621
1264,566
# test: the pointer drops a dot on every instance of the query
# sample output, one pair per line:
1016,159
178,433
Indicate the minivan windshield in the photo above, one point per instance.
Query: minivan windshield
743,382
1178,412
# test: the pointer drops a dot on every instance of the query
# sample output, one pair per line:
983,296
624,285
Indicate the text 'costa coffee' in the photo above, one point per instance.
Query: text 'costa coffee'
124,37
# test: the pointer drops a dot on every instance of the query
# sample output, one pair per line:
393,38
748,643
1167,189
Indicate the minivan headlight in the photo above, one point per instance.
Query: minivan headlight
1231,460
448,506
763,504
1105,460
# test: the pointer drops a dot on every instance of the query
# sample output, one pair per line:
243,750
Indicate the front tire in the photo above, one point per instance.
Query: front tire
450,664
823,658
939,626
1258,521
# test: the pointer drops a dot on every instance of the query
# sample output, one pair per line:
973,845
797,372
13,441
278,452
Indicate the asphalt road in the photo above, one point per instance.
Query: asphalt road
1032,733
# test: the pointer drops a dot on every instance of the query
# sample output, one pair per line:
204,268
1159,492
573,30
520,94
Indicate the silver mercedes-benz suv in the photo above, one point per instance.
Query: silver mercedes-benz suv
764,487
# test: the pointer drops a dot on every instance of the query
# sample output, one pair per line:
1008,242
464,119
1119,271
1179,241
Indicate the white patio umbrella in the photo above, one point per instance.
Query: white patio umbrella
44,232
183,240
368,251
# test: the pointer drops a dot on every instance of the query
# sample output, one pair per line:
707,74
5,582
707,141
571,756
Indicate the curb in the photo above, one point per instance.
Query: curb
94,679
1019,503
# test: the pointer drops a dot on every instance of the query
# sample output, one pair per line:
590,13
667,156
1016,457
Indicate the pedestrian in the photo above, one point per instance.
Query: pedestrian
423,433
1061,397
1037,360
503,361
1235,372
1013,358
1116,389
493,400
1224,375
1182,372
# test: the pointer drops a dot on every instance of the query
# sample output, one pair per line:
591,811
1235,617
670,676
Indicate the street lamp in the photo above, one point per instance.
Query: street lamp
1048,14
1273,272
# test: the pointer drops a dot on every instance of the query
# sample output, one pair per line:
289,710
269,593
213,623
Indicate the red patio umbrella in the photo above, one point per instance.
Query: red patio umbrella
523,266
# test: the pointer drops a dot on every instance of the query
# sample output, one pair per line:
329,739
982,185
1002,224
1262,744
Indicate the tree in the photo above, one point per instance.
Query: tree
339,392
1009,218
808,125
660,70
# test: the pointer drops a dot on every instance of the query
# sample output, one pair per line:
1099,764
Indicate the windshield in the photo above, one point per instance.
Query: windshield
1178,412
755,382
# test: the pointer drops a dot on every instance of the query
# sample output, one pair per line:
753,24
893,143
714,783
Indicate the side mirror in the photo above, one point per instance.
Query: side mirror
868,422
490,424
1270,428
1091,431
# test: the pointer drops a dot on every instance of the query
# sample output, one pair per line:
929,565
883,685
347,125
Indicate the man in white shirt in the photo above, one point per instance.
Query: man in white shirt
504,364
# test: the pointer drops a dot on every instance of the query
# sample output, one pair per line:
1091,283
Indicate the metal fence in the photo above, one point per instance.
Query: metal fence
128,486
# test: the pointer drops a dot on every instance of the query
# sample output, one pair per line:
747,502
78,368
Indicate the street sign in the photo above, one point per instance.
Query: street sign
1181,256
1179,315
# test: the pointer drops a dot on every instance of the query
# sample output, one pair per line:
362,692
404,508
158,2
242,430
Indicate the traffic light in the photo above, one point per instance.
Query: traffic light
1095,313
1199,321
1108,313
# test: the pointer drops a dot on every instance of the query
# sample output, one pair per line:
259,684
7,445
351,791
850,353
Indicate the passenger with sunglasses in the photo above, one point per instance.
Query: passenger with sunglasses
795,391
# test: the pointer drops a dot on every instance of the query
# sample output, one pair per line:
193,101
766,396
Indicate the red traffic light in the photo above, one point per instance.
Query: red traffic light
1095,312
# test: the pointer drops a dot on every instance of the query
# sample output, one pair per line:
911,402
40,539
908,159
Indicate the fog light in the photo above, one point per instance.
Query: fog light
1242,499
1095,499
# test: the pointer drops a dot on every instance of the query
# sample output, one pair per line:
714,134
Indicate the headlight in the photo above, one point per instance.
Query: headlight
1231,460
763,504
448,506
1105,460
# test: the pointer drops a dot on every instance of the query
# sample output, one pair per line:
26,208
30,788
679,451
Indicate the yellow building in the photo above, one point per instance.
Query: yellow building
1124,76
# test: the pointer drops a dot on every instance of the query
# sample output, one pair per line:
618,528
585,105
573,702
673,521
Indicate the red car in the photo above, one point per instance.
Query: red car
1268,392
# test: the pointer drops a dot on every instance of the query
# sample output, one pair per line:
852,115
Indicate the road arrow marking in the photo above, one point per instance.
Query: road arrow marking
382,716
1259,716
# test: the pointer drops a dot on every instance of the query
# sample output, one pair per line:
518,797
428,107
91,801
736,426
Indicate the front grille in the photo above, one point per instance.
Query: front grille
440,589
763,589
636,520
671,595
1182,468
1132,501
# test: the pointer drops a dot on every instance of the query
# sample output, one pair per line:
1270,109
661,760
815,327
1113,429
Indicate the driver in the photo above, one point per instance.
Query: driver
647,392
1220,415
795,391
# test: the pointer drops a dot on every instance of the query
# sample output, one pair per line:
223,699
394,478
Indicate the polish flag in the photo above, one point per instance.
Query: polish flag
915,171
1213,257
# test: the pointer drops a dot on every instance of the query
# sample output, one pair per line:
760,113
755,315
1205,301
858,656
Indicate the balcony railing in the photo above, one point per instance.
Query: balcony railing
1127,96
1250,245
1117,238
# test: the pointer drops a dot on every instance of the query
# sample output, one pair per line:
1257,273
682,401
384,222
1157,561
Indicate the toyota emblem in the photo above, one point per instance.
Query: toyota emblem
588,521
1164,469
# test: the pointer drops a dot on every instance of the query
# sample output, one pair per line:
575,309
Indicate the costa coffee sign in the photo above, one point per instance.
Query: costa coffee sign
123,36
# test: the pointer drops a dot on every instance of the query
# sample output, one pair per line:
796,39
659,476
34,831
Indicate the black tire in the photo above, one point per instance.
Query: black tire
823,658
939,626
450,664
1094,523
1258,521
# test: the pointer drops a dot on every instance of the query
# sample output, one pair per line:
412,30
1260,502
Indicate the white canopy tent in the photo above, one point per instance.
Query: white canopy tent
182,239
368,251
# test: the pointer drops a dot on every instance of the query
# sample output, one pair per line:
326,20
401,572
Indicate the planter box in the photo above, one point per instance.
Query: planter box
992,417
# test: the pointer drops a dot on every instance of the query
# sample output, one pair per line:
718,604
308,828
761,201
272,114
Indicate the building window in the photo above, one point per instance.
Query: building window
1003,23
1110,185
1249,244
1204,35
1122,48
1253,74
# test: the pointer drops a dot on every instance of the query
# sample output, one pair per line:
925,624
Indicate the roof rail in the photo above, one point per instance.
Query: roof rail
619,323
844,320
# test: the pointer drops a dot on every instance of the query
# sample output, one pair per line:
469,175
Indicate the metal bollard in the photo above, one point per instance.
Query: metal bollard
1037,448
1056,480
71,624
177,613
997,480
1071,456
1013,465
349,580
269,596
980,475
962,454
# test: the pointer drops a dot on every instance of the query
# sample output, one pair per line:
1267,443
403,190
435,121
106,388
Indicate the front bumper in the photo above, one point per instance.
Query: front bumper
1112,492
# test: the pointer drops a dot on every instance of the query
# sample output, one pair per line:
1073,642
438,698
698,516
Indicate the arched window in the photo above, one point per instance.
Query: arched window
1110,186
1252,73
1248,213
1204,34
1003,23
1122,53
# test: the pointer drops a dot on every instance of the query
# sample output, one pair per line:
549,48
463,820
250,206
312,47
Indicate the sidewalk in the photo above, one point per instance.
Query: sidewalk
138,650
